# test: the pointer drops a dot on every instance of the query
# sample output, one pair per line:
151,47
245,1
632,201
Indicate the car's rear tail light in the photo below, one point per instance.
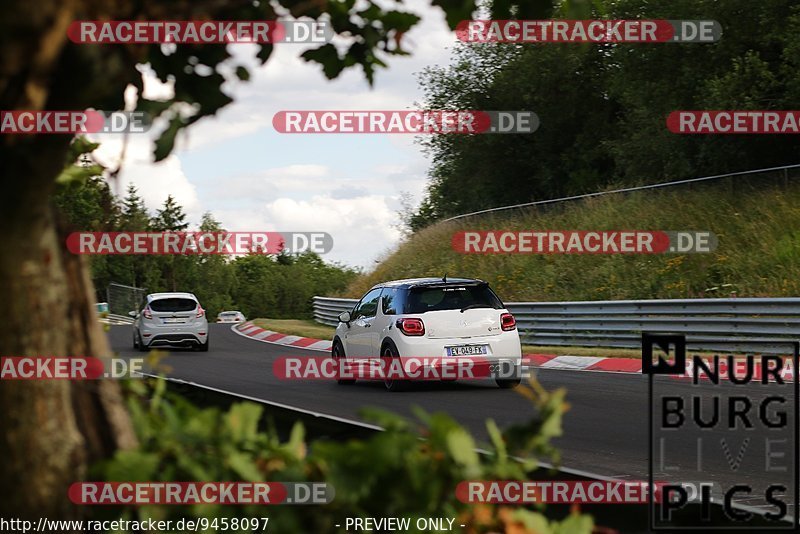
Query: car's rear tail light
200,312
411,327
147,313
507,322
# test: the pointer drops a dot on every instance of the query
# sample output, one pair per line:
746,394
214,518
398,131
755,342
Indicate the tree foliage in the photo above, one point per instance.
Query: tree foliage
603,107
409,470
54,429
260,286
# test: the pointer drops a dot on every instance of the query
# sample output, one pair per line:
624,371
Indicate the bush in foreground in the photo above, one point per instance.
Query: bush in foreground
410,470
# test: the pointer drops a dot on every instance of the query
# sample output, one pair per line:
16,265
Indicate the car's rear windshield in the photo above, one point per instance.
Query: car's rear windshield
173,305
229,314
425,299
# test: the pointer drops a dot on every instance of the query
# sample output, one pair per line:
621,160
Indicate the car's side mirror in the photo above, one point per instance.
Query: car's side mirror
344,317
133,314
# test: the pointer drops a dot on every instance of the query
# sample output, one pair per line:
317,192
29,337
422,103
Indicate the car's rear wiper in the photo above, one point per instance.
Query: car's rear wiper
476,305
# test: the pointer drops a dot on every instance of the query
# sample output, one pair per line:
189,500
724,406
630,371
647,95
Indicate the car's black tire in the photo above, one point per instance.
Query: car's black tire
203,347
142,346
135,341
389,351
337,352
508,383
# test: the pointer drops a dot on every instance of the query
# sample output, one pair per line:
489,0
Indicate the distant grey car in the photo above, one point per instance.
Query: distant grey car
170,320
231,317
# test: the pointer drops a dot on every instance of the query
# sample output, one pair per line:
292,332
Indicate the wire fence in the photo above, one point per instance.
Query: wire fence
122,299
739,182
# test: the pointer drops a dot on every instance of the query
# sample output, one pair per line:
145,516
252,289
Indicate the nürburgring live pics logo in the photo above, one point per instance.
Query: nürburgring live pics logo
728,422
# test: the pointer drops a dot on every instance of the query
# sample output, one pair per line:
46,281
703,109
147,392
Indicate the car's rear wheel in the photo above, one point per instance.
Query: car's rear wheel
392,384
337,353
203,347
140,344
510,383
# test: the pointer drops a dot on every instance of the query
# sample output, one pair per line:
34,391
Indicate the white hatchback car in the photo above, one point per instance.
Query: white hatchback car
171,319
230,317
430,317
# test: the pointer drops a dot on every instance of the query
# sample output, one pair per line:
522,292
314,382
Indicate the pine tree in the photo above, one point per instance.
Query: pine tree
134,213
171,217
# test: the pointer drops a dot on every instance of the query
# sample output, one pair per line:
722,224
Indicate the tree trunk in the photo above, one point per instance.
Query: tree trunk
51,429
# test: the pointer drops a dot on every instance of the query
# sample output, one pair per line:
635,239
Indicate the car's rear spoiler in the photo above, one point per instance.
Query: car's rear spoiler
439,285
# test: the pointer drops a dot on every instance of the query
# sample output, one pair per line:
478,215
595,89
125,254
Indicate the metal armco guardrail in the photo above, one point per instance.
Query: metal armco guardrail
114,319
761,325
327,309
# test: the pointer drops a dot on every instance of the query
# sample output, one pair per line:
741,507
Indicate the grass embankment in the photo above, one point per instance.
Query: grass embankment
296,327
758,253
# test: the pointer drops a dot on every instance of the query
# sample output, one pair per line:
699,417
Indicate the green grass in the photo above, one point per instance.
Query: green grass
296,327
758,253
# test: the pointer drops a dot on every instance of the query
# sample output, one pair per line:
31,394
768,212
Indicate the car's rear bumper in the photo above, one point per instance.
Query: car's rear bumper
175,340
174,336
505,346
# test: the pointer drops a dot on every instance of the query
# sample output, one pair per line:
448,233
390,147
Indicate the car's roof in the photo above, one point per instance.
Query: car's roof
178,295
430,281
228,312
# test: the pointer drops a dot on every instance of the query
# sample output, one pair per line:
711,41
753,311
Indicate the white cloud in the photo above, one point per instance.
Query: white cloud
287,82
299,179
309,193
155,181
362,222
361,227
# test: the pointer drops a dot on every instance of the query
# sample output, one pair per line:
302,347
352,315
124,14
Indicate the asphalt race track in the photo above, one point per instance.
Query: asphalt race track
605,428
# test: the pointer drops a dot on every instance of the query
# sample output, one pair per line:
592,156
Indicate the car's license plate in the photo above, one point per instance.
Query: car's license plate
467,350
171,320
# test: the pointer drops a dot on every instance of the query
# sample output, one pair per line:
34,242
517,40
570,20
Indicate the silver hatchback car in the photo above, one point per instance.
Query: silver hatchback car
231,317
172,320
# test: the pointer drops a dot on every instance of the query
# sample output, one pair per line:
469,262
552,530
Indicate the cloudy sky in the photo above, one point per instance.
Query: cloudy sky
252,178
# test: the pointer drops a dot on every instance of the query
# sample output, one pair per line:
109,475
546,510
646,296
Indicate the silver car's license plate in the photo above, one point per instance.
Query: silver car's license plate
173,320
467,350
